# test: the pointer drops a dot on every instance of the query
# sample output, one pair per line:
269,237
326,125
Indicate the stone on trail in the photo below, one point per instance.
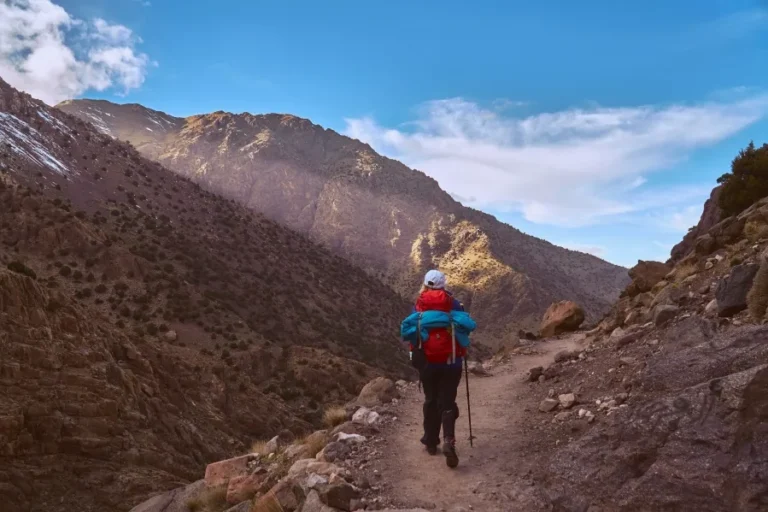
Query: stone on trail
567,400
335,451
548,405
663,314
314,504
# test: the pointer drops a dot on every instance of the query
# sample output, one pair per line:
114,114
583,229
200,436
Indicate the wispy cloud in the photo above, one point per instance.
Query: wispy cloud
571,168
53,56
594,250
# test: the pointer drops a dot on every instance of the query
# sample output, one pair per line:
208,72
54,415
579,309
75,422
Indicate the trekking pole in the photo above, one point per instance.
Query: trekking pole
469,408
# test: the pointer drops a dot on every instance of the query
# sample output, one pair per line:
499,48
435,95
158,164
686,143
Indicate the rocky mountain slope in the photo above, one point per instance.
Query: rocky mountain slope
148,327
391,220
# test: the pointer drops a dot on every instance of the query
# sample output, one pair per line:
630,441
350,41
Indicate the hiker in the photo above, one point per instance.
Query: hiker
438,331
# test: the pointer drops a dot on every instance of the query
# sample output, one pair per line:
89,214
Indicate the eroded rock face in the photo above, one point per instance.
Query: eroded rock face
695,439
565,316
732,291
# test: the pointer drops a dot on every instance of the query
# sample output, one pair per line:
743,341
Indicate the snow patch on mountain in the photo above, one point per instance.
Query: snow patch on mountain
24,140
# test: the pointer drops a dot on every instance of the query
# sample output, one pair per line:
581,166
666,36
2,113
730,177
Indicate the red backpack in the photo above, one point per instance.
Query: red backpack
438,346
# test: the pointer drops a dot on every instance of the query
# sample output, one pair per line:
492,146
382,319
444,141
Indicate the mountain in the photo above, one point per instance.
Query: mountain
392,221
148,327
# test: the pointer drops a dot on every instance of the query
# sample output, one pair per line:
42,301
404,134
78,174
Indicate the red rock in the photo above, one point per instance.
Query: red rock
562,317
242,488
220,473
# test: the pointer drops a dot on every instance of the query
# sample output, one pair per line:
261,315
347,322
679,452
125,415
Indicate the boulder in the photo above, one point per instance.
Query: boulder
334,452
561,317
219,473
645,275
245,487
705,245
379,391
301,469
352,427
731,292
664,314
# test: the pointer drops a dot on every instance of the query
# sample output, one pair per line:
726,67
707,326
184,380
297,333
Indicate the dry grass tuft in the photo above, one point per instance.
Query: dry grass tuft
259,447
334,416
211,500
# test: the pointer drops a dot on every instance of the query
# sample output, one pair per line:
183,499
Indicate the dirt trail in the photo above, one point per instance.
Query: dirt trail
491,476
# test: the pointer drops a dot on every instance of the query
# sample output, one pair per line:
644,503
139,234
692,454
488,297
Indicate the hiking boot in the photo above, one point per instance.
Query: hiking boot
431,448
449,450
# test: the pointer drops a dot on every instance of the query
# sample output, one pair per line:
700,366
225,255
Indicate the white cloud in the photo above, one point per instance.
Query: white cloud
53,56
594,250
570,168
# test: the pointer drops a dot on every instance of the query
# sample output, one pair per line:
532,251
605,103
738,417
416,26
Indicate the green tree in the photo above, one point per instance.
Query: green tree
747,182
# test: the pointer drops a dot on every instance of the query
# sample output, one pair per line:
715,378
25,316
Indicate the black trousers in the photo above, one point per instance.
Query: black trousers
441,384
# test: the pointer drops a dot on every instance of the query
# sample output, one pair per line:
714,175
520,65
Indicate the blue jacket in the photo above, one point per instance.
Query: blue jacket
462,322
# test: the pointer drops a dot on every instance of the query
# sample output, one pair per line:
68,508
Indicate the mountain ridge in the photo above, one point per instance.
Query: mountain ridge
393,221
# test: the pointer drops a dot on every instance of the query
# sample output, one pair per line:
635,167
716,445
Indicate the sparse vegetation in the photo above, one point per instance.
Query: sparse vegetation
211,500
334,416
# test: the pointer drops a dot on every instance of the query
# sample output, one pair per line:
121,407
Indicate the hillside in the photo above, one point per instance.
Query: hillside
148,327
384,217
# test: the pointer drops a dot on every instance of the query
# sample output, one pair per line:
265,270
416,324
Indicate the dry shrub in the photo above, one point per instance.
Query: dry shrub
756,230
757,299
210,500
334,416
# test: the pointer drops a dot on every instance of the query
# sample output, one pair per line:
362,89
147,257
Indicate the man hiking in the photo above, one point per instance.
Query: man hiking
438,332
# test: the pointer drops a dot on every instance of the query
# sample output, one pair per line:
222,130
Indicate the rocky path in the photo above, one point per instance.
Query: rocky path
492,474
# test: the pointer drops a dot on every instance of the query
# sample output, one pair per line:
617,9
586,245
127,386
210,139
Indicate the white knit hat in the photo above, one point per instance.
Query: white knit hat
435,280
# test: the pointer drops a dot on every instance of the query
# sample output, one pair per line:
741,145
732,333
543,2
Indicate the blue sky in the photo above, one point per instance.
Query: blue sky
597,125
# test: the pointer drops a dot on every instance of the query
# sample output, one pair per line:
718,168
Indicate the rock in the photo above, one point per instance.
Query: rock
567,400
731,292
562,416
338,494
244,487
527,335
171,336
297,451
628,361
379,391
711,309
561,317
477,369
705,245
172,501
219,473
617,333
365,416
566,355
664,314
535,373
341,437
645,275
548,404
285,496
314,504
278,442
351,427
334,452
241,507
709,265
401,383
660,286
629,338
301,469
705,288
